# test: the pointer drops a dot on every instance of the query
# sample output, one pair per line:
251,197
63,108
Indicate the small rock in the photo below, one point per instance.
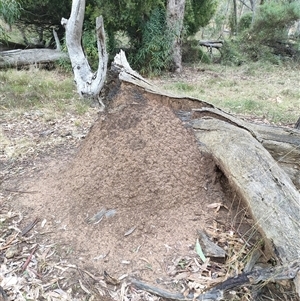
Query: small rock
12,251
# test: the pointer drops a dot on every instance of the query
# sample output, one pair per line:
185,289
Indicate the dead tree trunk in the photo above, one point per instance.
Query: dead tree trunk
89,83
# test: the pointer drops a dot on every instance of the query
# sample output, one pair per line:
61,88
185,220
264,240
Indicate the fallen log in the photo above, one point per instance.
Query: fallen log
267,190
25,57
282,143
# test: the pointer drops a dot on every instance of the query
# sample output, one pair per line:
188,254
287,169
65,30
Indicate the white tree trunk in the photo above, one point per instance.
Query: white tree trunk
175,14
89,83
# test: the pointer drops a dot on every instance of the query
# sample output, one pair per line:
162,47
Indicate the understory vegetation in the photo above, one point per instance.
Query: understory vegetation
53,92
266,91
271,34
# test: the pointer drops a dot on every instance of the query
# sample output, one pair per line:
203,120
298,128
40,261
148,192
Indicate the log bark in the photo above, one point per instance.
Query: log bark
25,57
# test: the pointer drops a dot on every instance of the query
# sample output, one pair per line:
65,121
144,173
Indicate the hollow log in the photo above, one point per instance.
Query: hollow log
25,57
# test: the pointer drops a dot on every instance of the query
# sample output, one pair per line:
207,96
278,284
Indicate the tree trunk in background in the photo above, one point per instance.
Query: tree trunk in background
89,83
253,8
175,15
234,18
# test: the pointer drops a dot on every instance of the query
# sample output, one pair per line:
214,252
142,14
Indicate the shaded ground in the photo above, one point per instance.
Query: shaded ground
142,165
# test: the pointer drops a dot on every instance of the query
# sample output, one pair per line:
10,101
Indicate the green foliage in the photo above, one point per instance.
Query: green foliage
198,13
9,10
267,38
192,53
139,21
245,22
274,18
39,17
269,33
89,42
231,53
153,54
9,13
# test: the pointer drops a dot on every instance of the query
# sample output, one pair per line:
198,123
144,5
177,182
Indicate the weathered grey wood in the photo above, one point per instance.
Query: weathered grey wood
25,57
269,193
254,278
297,124
89,83
282,143
122,69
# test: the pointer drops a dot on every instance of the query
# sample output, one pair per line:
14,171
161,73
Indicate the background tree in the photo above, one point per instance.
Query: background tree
175,18
139,20
142,23
38,18
9,13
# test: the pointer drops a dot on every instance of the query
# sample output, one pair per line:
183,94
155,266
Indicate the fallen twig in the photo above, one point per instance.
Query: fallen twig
28,259
217,292
29,227
7,245
20,191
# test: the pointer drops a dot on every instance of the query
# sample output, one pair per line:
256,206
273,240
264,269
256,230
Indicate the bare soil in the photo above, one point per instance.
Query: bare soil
141,164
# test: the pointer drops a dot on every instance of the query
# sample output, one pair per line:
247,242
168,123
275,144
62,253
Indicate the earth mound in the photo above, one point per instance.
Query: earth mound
131,200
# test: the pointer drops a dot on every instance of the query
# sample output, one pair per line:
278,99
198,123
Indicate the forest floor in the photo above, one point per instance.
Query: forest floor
90,200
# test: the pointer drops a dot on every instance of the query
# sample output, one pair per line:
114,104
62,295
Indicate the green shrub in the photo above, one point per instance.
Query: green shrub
273,20
267,38
89,42
193,53
153,55
245,22
231,53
